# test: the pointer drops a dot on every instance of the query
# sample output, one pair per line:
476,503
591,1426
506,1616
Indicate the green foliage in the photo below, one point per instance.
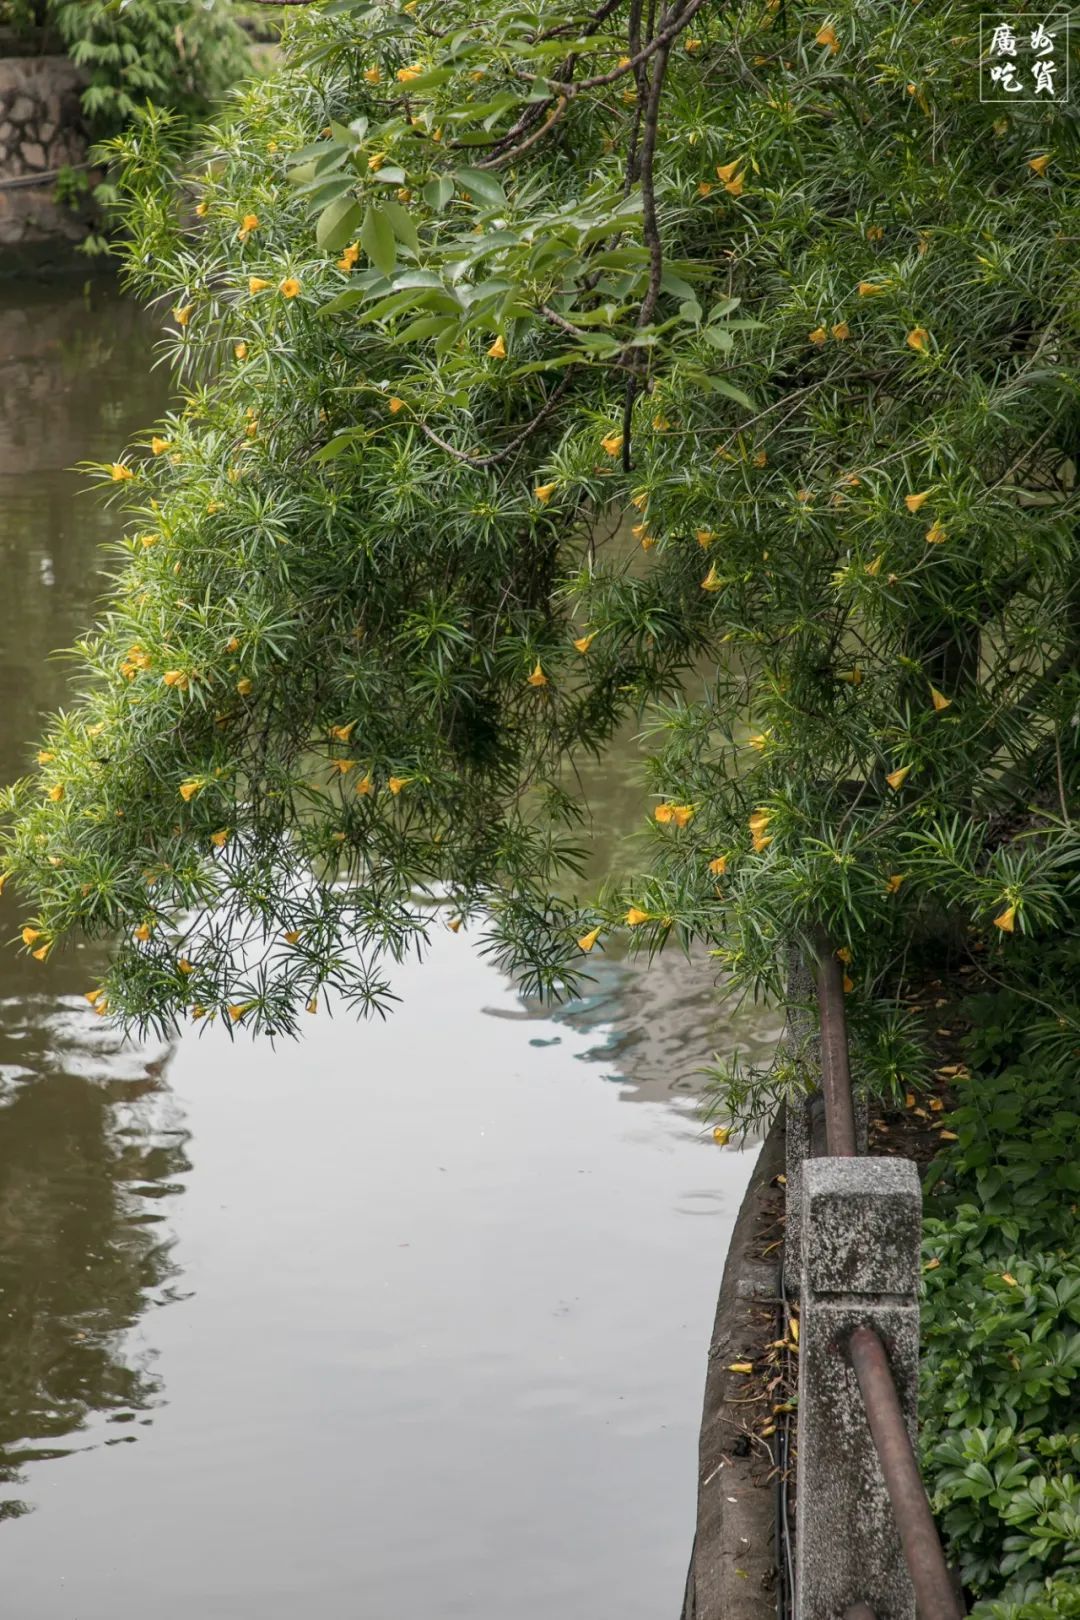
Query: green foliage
1000,1406
541,375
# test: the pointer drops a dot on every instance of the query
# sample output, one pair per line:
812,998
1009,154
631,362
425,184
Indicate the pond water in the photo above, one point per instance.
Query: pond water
410,1318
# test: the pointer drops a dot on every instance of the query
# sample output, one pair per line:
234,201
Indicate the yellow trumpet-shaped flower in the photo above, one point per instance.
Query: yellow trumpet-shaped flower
583,643
175,677
587,941
704,188
759,740
726,171
734,187
612,444
826,35
897,778
537,678
892,883
343,766
219,838
691,45
936,534
343,733
93,996
257,284
394,404
182,315
939,700
202,209
365,787
760,459
635,916
244,687
237,1012
184,966
918,338
817,336
291,936
30,934
871,289
841,331
349,257
1039,164
704,537
712,580
119,473
454,924
718,866
143,932
56,793
41,953
290,287
396,783
497,350
372,75
406,75
757,824
660,424
682,814
1006,920
914,502
663,814
189,788
45,757
158,446
249,223
544,492
874,568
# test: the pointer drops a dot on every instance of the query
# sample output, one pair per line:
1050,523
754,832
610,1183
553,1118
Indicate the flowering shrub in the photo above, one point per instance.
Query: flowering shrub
710,368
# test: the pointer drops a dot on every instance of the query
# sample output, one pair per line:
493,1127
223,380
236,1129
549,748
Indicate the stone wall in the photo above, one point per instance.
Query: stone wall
41,131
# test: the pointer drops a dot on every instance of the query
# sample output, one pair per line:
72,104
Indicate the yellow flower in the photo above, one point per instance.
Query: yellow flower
403,194
841,331
647,542
45,757
394,404
875,233
291,935
376,161
844,955
892,884
185,966
236,1013
56,793
817,336
240,351
682,814
189,788
640,500
636,916
257,284
897,778
249,223
757,824
735,187
219,838
1007,1277
40,954
365,786
343,733
704,189
939,700
118,472
290,287
202,209
182,315
871,289
1006,920
803,496
498,349
233,644
454,924
396,783
243,686
691,45
704,537
587,941
935,534
712,580
759,740
917,339
175,677
848,984
660,424
612,444
30,934
143,932
537,678
718,867
1039,164
663,814
761,459
827,36
158,445
93,996
196,1012
913,502
583,643
544,492
372,75
853,677
406,75
349,257
726,171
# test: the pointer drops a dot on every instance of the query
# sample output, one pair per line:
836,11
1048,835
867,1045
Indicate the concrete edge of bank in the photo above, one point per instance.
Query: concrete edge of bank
732,1572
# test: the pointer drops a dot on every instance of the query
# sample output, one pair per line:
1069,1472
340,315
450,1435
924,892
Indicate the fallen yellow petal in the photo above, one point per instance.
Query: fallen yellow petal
587,941
948,1136
932,1265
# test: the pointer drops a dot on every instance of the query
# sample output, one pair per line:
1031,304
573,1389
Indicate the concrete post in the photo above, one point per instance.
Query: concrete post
862,1224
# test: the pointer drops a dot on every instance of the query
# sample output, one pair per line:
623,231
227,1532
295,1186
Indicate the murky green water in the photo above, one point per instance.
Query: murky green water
410,1318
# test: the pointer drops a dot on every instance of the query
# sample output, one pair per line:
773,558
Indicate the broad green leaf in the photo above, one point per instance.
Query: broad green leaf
337,223
437,193
481,187
402,225
425,326
377,240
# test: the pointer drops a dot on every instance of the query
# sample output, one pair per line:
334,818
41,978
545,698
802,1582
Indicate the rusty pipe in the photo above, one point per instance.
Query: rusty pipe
934,1593
835,1068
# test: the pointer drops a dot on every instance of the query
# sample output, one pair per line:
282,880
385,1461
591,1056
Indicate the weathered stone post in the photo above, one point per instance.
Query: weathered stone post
861,1229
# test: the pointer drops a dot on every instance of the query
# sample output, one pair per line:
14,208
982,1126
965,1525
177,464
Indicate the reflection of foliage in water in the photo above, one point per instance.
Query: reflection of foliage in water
82,1252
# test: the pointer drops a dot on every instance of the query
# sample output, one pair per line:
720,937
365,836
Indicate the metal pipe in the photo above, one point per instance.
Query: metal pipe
835,1069
934,1593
